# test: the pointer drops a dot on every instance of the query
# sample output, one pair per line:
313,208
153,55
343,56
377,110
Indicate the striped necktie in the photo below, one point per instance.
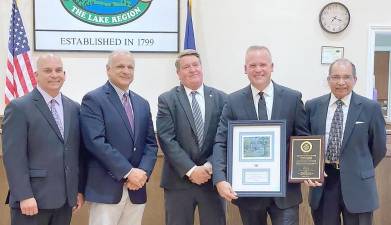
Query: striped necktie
199,123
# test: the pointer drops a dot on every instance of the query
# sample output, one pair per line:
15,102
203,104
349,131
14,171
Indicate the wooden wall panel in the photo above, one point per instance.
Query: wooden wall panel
154,212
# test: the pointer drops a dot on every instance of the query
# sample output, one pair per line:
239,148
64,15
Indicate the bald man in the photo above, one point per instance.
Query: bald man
41,143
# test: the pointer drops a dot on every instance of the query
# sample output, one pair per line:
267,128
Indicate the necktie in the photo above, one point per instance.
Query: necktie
199,123
262,112
335,135
128,109
56,116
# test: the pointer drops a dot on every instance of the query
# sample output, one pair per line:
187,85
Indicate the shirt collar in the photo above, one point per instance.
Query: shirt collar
345,100
268,91
119,91
47,97
200,90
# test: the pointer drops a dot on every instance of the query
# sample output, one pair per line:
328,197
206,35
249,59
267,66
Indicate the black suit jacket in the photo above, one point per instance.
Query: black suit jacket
363,147
39,162
177,134
287,105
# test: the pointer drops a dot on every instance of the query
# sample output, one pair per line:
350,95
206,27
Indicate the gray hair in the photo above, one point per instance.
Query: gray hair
343,61
115,53
259,48
187,52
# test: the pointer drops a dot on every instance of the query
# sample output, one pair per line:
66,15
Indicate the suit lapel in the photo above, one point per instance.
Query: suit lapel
136,113
66,105
353,113
114,99
277,102
209,108
40,103
184,101
321,116
249,103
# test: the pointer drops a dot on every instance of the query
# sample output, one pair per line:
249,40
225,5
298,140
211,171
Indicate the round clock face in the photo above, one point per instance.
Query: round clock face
334,17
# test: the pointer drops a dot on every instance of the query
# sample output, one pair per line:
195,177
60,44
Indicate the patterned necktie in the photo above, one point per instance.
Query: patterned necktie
128,109
335,135
199,123
262,112
56,117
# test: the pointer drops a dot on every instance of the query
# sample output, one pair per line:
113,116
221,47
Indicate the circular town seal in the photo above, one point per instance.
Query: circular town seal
106,12
306,146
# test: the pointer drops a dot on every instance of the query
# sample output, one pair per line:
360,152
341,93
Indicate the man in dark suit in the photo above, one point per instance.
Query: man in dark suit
41,142
118,133
355,134
264,100
186,124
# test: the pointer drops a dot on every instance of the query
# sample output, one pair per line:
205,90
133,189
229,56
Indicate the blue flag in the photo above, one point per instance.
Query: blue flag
189,33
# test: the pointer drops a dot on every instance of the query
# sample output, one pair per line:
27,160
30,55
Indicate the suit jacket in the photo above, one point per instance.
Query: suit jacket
363,147
287,105
113,147
177,134
39,162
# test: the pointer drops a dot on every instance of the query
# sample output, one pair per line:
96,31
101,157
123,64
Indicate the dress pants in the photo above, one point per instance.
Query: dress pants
180,206
123,213
331,205
61,216
289,216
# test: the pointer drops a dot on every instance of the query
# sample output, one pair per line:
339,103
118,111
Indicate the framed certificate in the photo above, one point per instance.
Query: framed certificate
306,159
330,54
256,158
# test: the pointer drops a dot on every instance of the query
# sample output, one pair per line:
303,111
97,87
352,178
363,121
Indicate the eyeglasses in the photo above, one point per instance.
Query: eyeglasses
338,78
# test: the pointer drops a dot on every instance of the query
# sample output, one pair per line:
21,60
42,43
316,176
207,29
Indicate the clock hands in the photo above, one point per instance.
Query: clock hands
335,18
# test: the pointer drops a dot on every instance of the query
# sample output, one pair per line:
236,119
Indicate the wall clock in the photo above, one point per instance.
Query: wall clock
334,17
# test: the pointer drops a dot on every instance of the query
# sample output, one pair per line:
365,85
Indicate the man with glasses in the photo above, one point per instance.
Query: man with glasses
355,137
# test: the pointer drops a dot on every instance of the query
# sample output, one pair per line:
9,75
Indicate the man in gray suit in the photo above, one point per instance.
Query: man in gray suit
355,144
186,125
41,142
263,99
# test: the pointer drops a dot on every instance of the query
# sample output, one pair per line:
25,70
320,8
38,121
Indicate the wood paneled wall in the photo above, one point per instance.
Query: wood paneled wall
154,212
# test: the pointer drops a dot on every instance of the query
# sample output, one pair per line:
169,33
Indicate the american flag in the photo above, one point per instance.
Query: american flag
20,77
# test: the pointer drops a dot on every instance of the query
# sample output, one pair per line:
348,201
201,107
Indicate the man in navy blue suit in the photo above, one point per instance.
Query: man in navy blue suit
118,133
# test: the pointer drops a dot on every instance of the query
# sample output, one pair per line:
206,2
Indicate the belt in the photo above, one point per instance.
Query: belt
334,165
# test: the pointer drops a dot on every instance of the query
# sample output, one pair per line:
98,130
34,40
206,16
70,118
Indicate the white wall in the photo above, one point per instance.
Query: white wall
224,29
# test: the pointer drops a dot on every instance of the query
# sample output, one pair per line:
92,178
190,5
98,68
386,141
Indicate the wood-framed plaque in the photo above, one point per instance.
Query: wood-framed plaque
306,159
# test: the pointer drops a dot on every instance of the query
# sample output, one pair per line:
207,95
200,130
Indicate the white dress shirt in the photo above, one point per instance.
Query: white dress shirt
330,113
199,97
268,94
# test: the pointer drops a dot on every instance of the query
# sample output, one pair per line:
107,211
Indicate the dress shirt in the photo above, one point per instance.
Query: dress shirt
268,94
200,98
58,105
330,113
